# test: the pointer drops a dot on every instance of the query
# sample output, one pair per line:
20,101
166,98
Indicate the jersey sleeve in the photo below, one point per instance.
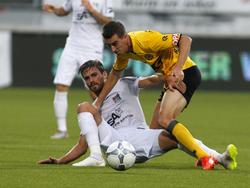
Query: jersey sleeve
67,6
121,63
132,83
108,9
165,41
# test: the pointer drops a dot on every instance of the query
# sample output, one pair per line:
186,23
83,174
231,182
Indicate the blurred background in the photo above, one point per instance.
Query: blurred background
31,41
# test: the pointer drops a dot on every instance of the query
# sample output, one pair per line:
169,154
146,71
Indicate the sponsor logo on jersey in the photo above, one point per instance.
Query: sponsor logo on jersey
148,56
164,38
114,117
176,38
111,121
81,15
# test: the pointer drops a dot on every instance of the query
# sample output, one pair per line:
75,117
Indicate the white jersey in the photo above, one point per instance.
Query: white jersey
121,108
85,31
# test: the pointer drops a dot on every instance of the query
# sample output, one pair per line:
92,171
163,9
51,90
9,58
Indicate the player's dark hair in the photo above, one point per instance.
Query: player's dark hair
113,27
89,64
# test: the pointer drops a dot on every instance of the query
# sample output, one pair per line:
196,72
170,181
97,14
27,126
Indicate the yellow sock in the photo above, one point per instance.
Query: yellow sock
182,134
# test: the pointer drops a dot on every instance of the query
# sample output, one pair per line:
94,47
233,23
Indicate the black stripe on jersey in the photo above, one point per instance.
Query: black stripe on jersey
179,40
157,65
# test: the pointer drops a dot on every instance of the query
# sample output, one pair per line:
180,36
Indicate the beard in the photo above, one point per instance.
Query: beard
96,88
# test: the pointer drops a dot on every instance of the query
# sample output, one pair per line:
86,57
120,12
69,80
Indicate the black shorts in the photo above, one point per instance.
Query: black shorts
192,79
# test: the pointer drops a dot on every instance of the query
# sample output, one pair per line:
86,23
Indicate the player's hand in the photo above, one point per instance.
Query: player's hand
48,8
172,84
178,74
50,160
181,86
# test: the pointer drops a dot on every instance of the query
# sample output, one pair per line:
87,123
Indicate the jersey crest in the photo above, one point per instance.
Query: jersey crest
117,98
164,38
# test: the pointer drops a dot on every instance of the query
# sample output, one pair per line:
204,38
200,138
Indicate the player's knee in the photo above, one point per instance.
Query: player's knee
168,122
62,88
84,107
165,120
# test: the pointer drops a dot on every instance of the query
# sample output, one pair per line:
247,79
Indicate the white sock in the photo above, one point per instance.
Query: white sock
104,133
89,129
60,108
208,150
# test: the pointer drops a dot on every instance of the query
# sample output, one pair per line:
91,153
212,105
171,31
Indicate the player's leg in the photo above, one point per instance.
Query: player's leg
65,74
60,109
208,150
226,159
154,124
172,103
87,123
149,143
166,142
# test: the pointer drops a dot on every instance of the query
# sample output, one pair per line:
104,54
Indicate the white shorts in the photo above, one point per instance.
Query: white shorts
145,141
70,61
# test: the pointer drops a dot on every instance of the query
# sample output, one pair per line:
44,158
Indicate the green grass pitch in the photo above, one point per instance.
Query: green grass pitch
27,121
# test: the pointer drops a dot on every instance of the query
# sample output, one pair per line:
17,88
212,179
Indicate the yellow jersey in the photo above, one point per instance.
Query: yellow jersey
158,50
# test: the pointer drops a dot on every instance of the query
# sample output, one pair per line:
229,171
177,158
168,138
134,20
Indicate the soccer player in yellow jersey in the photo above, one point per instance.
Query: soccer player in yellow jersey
167,54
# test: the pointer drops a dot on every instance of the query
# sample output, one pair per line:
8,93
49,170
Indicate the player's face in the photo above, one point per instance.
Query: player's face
118,45
94,79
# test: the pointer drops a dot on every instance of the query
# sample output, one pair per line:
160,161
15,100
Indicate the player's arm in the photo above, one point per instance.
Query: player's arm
59,11
154,80
184,45
78,150
98,16
146,82
112,79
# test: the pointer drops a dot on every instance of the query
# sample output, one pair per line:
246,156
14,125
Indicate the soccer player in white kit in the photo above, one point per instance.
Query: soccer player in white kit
121,118
84,42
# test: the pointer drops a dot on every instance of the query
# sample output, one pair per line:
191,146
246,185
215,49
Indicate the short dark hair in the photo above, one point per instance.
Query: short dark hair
89,64
113,27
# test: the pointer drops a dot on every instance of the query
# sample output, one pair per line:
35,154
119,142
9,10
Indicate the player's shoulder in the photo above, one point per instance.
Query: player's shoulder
143,33
128,79
129,84
145,38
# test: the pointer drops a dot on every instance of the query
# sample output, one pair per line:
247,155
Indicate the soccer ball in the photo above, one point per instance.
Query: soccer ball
121,155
